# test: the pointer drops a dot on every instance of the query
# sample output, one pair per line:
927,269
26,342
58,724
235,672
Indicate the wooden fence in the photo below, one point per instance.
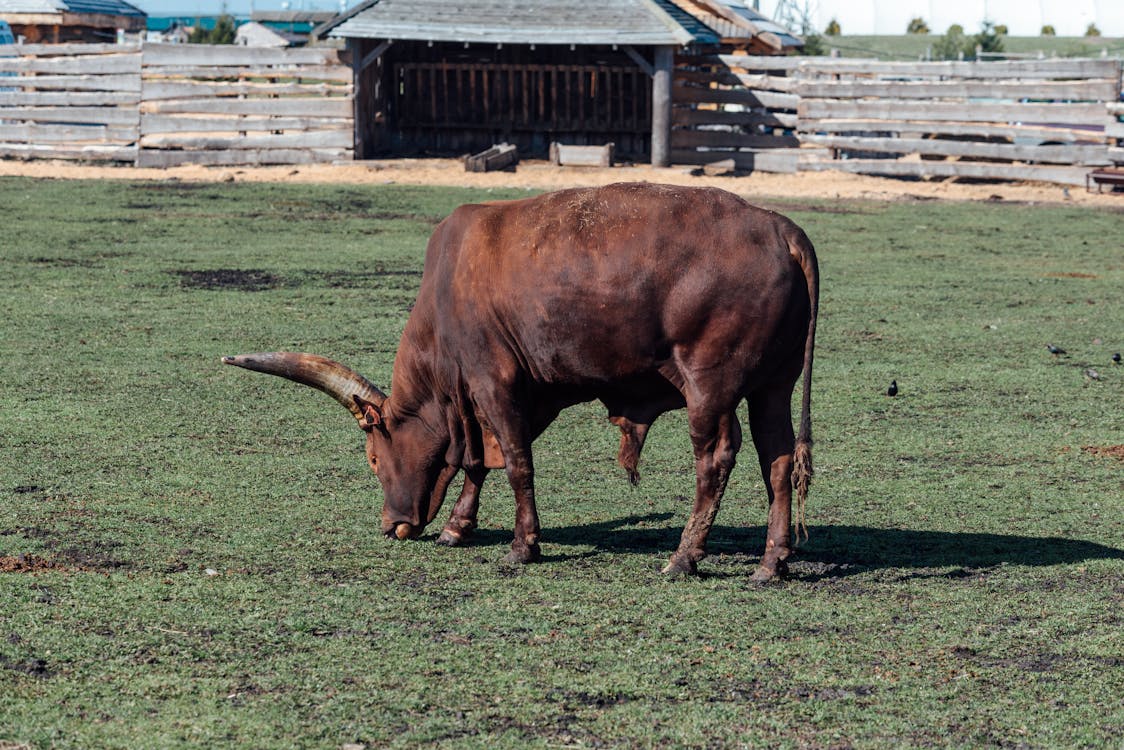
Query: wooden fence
161,105
1029,119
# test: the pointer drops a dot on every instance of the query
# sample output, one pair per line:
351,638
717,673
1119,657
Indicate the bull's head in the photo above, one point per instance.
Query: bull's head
406,454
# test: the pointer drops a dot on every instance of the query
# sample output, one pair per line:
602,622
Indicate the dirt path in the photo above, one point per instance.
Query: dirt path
543,175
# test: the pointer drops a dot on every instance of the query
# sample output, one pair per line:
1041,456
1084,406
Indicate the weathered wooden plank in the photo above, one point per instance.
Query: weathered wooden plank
304,72
984,170
1116,154
116,82
79,65
155,89
232,55
695,138
978,129
73,49
744,97
313,139
47,133
1092,155
65,99
1049,68
683,116
1078,90
326,107
784,161
152,124
159,158
79,153
731,78
93,115
497,157
581,156
1114,129
901,109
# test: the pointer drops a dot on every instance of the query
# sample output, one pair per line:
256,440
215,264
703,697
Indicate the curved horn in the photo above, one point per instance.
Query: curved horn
340,382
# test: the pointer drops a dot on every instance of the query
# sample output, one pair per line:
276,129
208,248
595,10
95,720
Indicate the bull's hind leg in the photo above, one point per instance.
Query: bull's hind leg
716,440
770,423
463,518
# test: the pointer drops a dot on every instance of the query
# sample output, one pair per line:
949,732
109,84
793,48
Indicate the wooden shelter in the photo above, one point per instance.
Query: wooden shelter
442,78
55,21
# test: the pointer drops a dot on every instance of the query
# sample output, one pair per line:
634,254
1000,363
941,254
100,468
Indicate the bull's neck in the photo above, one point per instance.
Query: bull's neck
415,384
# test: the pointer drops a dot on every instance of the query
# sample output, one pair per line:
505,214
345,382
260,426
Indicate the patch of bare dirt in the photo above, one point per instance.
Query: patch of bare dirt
29,564
542,175
1112,451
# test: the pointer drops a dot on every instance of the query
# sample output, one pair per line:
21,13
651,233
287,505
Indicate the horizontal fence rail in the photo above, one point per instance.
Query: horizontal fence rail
159,105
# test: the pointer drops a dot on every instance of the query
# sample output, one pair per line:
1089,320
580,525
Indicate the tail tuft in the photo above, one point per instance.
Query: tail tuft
801,480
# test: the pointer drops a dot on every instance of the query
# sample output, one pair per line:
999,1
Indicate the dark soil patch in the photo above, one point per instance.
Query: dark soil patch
231,279
1113,451
1070,275
34,667
29,564
25,489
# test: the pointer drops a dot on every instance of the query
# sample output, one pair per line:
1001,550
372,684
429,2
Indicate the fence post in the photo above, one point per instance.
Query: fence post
661,106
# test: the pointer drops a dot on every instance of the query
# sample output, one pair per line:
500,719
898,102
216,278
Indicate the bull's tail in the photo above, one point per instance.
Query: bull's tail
805,256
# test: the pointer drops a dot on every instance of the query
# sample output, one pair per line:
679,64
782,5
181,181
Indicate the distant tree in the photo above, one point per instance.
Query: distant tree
952,44
833,28
1001,29
813,45
222,33
1092,30
917,26
1048,30
990,39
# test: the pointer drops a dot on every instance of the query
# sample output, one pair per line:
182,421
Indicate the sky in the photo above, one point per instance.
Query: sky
1022,17
234,7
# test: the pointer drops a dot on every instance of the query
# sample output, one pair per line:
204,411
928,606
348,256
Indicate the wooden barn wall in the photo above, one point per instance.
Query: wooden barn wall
1048,120
164,104
452,99
219,105
70,101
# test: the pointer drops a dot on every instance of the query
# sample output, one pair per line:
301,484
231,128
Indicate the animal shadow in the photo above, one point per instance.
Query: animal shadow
835,551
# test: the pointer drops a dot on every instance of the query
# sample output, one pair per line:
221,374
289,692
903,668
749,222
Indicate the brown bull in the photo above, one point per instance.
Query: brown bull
646,297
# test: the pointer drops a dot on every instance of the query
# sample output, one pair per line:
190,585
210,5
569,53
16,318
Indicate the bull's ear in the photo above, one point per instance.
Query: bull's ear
372,414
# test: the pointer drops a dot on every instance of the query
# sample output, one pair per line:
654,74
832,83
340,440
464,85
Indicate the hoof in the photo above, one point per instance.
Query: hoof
767,574
678,567
524,555
450,538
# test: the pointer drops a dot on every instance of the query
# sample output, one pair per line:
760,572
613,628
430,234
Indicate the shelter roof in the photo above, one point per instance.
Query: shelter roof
639,22
99,7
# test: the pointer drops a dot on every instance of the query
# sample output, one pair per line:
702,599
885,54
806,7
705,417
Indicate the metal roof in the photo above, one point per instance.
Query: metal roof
100,7
640,22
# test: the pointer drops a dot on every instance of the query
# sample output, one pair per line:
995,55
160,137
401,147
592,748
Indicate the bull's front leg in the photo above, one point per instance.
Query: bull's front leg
521,475
463,518
716,444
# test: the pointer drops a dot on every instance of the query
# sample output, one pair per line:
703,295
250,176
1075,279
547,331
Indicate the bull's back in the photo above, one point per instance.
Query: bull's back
604,283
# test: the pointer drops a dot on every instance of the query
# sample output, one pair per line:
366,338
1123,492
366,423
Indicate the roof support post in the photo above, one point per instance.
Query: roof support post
661,106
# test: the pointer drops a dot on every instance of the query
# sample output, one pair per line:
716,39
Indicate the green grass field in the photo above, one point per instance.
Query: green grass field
191,553
916,46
